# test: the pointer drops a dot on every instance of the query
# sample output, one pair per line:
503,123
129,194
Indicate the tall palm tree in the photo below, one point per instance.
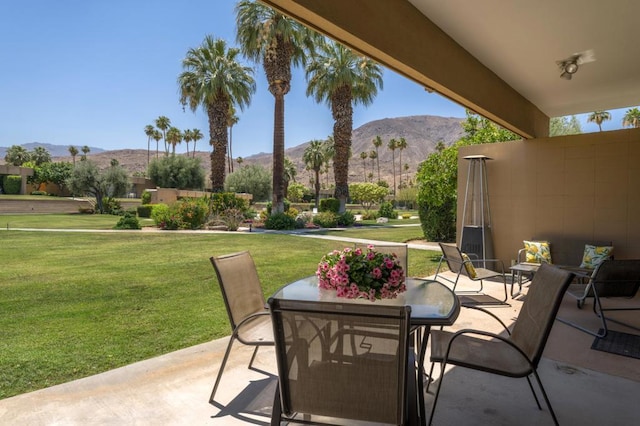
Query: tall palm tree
174,137
157,135
364,156
314,157
215,79
377,143
290,173
186,137
163,123
599,117
393,145
373,155
73,151
276,41
232,120
631,118
85,150
196,135
401,145
148,130
342,78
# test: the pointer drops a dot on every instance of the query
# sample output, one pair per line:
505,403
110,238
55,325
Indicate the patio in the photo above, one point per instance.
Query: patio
584,385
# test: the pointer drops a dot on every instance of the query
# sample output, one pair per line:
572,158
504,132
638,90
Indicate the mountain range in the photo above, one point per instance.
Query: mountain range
422,133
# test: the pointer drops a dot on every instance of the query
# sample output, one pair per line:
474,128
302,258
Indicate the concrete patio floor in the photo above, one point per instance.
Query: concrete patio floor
586,387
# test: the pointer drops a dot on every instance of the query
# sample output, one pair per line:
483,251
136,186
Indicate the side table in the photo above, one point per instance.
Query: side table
518,272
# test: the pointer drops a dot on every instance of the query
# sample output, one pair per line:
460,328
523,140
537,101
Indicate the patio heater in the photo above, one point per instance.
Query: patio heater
476,216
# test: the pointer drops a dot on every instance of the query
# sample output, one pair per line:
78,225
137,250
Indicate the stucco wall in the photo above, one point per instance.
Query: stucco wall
569,190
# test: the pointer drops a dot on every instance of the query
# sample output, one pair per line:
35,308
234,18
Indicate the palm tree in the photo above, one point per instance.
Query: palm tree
393,144
314,157
196,135
186,137
174,137
240,160
269,37
215,79
73,151
631,118
232,120
377,143
598,117
163,123
342,78
364,156
401,145
373,155
157,135
148,130
85,150
290,173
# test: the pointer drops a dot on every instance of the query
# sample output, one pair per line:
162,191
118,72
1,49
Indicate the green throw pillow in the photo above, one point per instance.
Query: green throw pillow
537,252
594,255
468,266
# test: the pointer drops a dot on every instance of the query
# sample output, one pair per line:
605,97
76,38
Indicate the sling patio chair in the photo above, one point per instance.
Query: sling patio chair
611,278
246,307
342,361
518,353
460,264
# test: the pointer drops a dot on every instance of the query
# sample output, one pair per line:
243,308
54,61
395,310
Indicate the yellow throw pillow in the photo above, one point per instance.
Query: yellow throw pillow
594,255
468,266
537,252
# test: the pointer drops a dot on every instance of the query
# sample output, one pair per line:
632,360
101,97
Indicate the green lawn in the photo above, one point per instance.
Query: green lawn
76,304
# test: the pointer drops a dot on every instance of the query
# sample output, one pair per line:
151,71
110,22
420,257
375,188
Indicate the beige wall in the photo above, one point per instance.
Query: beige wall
569,190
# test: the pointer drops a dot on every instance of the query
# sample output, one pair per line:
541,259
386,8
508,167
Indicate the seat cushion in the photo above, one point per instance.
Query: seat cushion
537,252
594,255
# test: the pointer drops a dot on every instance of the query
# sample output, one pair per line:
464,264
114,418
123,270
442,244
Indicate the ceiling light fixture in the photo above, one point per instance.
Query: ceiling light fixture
569,67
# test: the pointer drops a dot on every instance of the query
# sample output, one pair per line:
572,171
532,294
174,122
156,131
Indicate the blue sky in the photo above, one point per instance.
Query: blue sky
77,72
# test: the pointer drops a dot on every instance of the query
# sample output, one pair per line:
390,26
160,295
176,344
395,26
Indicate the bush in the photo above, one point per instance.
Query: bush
346,219
326,219
144,211
39,193
330,205
231,218
146,198
386,210
128,221
11,184
280,221
111,206
370,215
192,212
163,217
406,216
221,201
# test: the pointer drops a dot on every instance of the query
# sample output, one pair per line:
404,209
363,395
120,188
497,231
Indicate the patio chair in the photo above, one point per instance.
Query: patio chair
612,278
461,265
246,308
400,250
342,360
517,354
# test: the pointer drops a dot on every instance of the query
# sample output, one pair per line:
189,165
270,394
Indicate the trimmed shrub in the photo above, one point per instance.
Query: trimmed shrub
192,212
128,221
144,210
280,221
11,184
386,210
145,198
326,219
221,201
329,205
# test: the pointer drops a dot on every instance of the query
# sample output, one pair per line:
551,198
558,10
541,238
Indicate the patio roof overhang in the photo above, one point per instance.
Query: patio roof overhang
496,59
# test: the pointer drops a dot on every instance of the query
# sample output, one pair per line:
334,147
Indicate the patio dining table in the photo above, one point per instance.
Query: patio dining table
432,304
